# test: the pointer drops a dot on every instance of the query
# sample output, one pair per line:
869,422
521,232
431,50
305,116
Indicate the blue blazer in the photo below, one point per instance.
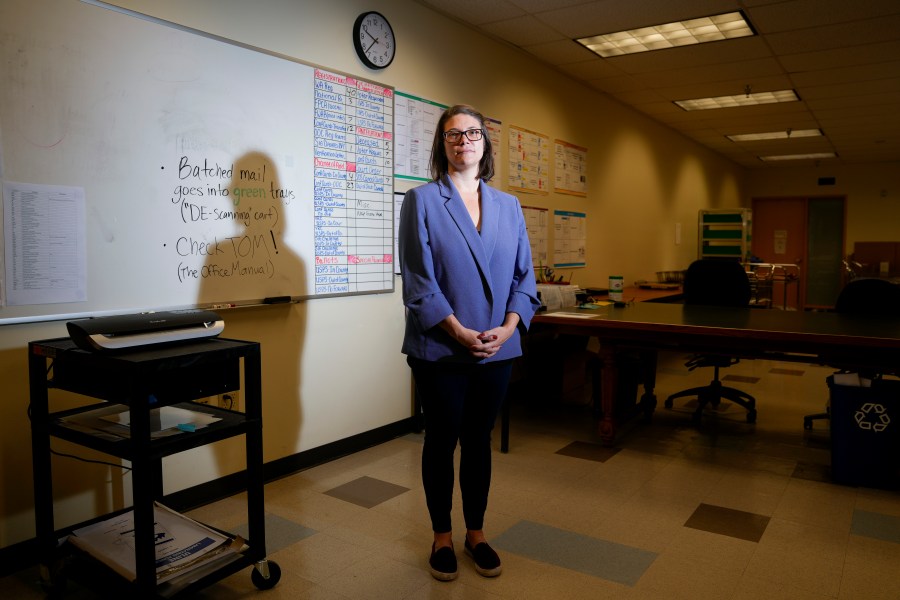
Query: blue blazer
449,268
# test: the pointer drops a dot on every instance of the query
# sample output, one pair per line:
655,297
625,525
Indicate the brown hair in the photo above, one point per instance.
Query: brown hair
439,163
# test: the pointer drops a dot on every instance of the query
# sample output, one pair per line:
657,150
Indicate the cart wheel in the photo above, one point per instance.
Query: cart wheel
264,583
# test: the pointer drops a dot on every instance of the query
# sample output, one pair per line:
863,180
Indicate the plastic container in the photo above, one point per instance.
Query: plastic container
616,285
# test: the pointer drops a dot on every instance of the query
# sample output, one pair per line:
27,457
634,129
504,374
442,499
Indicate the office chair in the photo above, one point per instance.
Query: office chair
715,282
862,296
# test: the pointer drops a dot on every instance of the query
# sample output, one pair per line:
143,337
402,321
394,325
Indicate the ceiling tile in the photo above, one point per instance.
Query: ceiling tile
561,52
840,35
747,70
476,12
523,31
638,96
856,73
841,57
536,6
592,69
802,14
858,88
607,16
888,102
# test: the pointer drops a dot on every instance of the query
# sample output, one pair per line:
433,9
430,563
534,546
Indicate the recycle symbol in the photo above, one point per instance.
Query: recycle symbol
872,416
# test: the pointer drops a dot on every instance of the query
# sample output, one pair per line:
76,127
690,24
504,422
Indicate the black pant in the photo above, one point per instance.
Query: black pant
460,403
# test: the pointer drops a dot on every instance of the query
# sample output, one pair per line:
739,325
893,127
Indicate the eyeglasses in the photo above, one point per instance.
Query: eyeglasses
454,136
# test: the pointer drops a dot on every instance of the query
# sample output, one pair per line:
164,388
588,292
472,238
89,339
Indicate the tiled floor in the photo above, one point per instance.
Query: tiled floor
726,510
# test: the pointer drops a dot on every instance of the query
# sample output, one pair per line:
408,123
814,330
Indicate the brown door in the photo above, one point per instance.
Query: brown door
779,237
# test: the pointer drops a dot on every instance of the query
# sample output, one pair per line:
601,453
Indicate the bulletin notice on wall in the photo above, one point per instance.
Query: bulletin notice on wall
414,125
570,176
353,183
569,238
529,161
44,244
537,225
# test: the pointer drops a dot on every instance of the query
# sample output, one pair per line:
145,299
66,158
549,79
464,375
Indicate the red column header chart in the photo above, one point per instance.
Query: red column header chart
353,185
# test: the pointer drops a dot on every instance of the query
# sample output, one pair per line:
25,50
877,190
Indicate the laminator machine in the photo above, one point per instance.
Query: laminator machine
122,332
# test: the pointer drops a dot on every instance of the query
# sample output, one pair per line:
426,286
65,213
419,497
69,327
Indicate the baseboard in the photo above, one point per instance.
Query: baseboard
23,555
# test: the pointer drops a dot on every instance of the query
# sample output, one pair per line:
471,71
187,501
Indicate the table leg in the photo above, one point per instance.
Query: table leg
648,360
609,382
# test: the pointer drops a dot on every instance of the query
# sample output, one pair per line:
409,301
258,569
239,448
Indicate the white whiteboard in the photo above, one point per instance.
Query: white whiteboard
213,173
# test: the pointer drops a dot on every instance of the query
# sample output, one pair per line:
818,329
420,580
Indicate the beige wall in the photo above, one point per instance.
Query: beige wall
332,367
872,192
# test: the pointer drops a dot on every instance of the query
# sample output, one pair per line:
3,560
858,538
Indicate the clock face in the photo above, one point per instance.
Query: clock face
373,39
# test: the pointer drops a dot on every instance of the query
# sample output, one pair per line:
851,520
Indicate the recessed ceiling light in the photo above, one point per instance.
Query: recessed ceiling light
813,155
670,35
745,99
775,135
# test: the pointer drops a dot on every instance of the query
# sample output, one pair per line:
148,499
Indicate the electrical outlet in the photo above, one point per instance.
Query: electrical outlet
230,400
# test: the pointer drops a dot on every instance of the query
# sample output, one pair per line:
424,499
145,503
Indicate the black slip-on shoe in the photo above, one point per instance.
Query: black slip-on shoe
487,563
443,563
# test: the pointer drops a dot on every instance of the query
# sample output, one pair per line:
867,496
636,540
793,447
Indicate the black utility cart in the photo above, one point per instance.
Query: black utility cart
141,380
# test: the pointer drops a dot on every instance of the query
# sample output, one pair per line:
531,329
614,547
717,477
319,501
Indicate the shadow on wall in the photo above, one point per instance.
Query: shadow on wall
281,326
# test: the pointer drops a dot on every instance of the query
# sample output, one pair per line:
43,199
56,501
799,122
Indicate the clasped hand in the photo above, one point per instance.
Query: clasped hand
485,344
481,344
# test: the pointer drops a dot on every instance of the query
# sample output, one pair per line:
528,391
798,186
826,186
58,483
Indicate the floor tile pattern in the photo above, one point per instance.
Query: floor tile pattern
367,491
728,521
575,551
720,510
588,451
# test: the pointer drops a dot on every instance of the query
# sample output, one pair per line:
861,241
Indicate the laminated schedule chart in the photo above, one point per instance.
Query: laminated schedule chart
353,185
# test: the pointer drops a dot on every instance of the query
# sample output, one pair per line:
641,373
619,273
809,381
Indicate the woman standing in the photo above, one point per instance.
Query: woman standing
470,292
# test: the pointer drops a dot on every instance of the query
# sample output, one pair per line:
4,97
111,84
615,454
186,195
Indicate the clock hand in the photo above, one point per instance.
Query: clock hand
370,35
374,41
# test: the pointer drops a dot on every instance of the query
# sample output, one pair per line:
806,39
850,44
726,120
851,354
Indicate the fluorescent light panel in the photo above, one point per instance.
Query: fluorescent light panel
670,35
775,135
751,99
814,155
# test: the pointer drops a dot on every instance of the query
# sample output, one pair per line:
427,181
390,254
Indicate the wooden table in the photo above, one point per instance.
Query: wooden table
844,341
634,293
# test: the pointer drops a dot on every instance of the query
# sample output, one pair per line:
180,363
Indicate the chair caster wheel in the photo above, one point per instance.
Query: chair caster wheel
668,403
751,416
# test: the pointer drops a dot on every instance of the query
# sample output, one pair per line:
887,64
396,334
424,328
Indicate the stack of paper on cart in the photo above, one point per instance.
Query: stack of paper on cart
182,544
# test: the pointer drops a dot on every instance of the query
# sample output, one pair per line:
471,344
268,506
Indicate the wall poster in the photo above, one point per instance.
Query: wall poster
529,161
570,176
537,224
569,238
414,122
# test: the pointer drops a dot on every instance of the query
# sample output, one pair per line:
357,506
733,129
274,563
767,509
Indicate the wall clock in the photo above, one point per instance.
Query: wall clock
373,39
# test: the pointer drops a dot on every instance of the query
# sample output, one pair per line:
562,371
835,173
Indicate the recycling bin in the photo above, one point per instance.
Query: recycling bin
865,434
